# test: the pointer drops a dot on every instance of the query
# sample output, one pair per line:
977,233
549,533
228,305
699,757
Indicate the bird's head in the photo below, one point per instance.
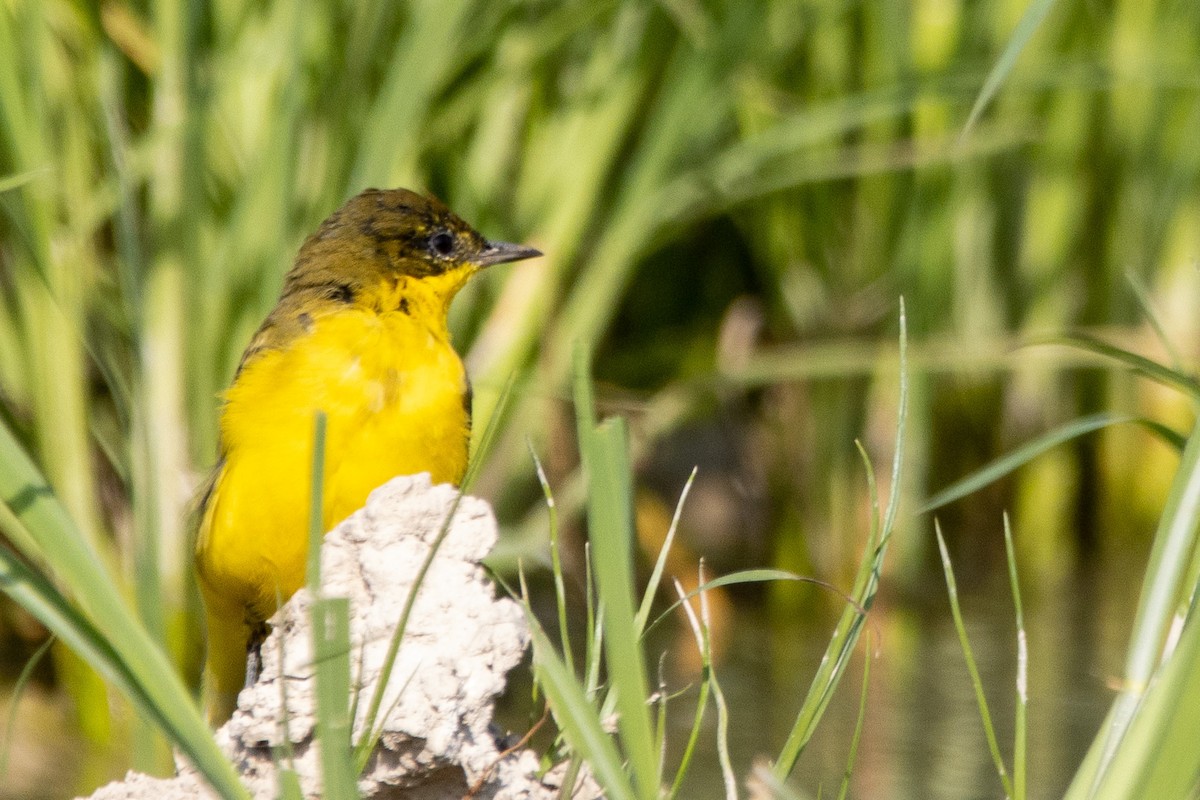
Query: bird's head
386,235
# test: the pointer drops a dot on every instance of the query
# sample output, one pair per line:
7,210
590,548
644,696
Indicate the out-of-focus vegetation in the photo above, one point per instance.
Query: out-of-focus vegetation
731,196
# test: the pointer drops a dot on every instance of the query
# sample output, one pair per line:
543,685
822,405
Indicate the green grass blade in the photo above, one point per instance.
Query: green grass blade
893,506
424,56
1170,436
487,439
330,619
14,702
1157,756
689,749
748,576
284,755
610,528
858,723
660,563
112,641
10,182
372,727
1141,364
48,605
1142,293
316,508
577,717
660,700
972,668
583,394
700,632
1022,456
594,650
331,646
556,567
1022,695
289,785
850,624
1174,540
718,695
604,453
1030,21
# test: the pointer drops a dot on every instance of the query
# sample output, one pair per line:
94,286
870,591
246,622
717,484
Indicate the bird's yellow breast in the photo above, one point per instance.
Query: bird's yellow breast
394,392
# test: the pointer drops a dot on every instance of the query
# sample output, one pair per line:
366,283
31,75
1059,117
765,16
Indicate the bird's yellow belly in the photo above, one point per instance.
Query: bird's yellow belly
393,394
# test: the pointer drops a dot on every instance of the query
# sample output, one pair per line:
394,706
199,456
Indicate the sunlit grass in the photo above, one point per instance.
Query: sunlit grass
1002,166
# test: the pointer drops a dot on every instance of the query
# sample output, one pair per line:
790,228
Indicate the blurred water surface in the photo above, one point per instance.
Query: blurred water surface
922,737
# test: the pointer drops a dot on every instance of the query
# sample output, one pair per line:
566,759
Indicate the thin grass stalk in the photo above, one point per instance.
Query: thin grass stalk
10,182
833,662
316,500
372,728
556,568
330,627
849,627
14,700
373,723
972,668
594,653
689,749
33,592
699,625
660,563
593,300
1021,456
1141,293
575,763
1161,373
858,723
160,304
575,713
1031,20
156,566
723,756
1022,694
425,56
1187,606
661,699
284,755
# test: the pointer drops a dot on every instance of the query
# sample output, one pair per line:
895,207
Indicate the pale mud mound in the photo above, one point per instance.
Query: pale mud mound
438,742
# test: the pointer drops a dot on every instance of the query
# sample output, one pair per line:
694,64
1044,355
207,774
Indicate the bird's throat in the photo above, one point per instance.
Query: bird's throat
427,299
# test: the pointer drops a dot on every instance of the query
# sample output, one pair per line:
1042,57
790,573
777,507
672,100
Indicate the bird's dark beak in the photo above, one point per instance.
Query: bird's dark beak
503,252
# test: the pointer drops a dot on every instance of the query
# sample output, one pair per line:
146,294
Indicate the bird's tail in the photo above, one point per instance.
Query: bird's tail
225,664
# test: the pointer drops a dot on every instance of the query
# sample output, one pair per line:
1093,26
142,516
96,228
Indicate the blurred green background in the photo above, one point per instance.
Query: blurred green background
731,197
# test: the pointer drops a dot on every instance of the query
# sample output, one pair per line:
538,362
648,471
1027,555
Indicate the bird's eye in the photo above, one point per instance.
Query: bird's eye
442,243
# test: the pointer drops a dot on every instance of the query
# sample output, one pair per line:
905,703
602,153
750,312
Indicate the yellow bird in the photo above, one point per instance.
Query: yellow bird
359,333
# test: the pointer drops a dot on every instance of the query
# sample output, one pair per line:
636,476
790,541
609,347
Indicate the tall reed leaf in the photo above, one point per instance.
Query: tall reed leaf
103,630
866,584
604,451
1174,541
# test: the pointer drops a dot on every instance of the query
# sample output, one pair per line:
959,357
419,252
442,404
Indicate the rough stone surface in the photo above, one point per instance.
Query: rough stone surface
460,643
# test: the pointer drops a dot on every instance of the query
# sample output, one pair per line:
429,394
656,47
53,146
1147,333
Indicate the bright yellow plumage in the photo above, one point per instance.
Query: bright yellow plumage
360,334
